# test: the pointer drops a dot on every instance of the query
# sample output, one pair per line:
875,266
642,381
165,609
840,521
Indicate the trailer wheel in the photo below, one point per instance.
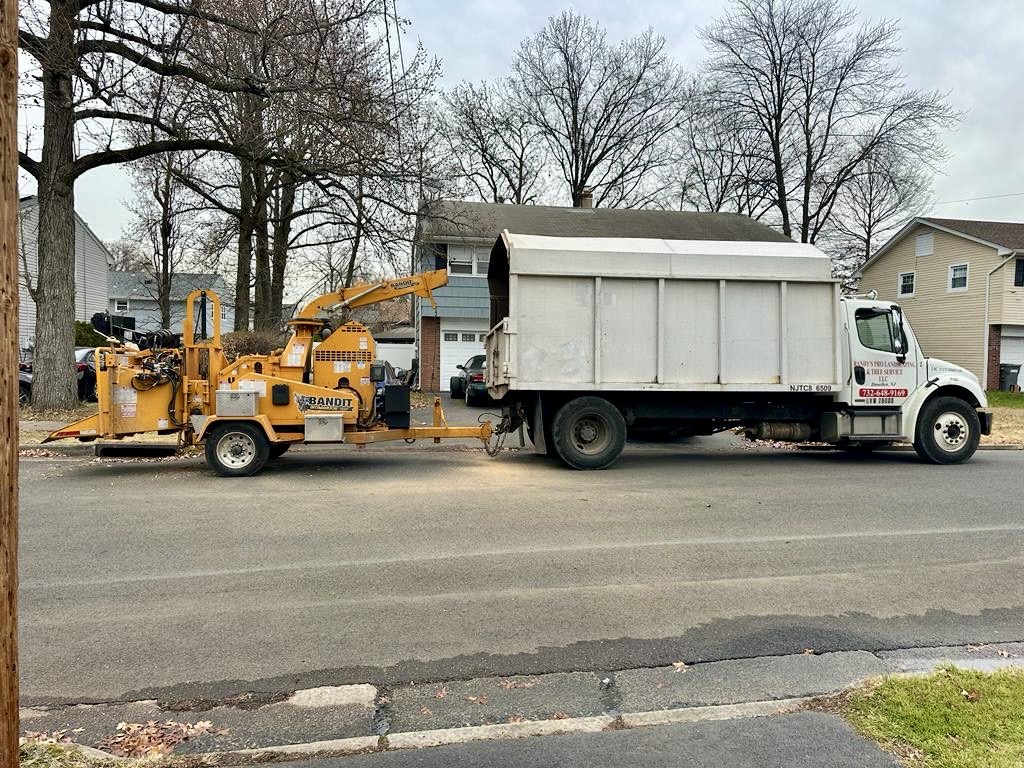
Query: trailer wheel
588,433
948,431
237,450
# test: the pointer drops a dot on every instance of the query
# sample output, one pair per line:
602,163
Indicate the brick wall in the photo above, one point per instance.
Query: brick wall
430,354
995,338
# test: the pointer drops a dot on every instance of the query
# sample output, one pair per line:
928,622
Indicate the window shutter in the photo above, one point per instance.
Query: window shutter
925,244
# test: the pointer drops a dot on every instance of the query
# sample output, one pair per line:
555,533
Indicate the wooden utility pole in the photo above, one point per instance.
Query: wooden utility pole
8,384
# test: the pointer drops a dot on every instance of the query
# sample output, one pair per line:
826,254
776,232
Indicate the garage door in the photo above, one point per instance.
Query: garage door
460,340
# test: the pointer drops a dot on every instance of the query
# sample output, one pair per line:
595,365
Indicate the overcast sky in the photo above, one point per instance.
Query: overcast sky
973,50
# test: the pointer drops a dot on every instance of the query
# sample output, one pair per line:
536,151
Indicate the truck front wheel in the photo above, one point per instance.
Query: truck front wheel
948,431
237,450
588,433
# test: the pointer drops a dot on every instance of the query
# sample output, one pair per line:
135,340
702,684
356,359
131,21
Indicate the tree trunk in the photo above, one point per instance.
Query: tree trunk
261,294
282,236
54,385
246,224
357,239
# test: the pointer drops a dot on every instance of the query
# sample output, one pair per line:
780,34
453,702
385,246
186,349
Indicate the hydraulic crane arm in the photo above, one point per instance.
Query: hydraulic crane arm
360,295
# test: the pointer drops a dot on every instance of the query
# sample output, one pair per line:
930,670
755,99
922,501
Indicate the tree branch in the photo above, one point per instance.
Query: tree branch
29,165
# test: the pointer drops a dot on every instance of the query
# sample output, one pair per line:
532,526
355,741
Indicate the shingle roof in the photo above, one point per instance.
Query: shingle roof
450,219
1009,234
127,285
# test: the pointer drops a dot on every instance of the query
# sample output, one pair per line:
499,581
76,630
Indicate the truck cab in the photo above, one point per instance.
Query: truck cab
891,391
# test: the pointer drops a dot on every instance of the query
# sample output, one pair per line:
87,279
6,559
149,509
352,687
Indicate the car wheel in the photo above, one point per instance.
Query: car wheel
237,450
948,431
588,433
455,389
24,394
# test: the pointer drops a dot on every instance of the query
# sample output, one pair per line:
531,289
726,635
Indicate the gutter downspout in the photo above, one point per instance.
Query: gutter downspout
988,329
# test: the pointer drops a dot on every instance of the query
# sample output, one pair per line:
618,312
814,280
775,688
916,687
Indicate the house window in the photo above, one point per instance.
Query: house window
1018,275
925,245
906,285
120,305
223,313
467,260
957,277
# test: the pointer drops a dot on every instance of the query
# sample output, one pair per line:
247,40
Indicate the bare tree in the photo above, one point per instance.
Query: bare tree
89,58
165,220
499,151
127,254
824,95
604,110
880,198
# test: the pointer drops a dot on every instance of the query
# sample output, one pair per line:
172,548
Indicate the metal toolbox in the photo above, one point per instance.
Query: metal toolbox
325,428
237,402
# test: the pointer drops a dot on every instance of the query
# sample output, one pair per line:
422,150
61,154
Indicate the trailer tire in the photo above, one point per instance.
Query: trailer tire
588,433
237,450
948,431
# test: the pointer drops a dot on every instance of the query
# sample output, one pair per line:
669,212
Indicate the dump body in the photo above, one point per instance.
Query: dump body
599,314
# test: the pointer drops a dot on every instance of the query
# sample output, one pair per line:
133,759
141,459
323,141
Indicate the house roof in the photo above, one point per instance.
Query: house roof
1004,236
127,285
448,220
1007,234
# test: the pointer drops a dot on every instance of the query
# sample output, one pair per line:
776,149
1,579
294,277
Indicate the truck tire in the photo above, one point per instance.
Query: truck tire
948,431
237,450
588,433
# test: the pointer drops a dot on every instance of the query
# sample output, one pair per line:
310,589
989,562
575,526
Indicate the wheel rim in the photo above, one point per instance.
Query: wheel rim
236,450
591,434
23,397
951,432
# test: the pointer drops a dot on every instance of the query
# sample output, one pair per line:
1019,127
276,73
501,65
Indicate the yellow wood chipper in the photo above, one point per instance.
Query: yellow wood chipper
325,386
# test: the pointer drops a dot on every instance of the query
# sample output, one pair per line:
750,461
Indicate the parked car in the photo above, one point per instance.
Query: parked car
469,383
24,386
85,374
85,370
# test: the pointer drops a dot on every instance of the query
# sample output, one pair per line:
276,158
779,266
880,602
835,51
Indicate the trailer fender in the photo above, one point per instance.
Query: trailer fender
260,419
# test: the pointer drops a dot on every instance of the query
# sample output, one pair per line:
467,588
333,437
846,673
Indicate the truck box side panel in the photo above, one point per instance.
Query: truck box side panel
750,337
810,333
628,322
690,317
555,328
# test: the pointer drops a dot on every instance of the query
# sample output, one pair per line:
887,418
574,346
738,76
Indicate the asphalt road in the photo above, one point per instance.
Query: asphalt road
159,579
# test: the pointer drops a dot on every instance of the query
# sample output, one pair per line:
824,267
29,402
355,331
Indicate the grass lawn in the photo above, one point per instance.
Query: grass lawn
954,718
40,754
997,399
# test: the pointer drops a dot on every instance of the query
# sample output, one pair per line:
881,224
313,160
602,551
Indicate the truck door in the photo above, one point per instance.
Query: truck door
884,357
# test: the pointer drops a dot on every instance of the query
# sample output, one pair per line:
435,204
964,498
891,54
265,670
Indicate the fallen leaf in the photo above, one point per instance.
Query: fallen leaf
426,711
481,700
516,719
971,695
559,716
508,684
680,666
809,652
441,692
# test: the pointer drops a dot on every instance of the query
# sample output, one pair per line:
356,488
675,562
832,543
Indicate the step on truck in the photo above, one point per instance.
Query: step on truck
594,339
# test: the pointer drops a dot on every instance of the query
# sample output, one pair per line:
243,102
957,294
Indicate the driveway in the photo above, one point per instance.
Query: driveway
159,579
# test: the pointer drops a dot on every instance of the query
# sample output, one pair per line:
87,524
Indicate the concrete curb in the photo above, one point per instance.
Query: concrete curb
596,724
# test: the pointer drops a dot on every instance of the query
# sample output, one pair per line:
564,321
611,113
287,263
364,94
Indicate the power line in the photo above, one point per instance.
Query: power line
972,199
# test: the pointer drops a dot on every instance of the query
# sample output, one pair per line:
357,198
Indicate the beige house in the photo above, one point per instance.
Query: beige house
961,284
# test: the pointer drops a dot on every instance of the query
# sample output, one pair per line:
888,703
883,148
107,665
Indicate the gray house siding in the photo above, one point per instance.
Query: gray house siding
464,296
92,270
134,288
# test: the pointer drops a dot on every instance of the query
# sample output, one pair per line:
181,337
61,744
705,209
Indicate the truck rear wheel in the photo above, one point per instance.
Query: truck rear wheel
237,450
948,431
588,433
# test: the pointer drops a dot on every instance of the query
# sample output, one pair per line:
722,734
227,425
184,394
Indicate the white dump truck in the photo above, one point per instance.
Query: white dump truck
594,338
